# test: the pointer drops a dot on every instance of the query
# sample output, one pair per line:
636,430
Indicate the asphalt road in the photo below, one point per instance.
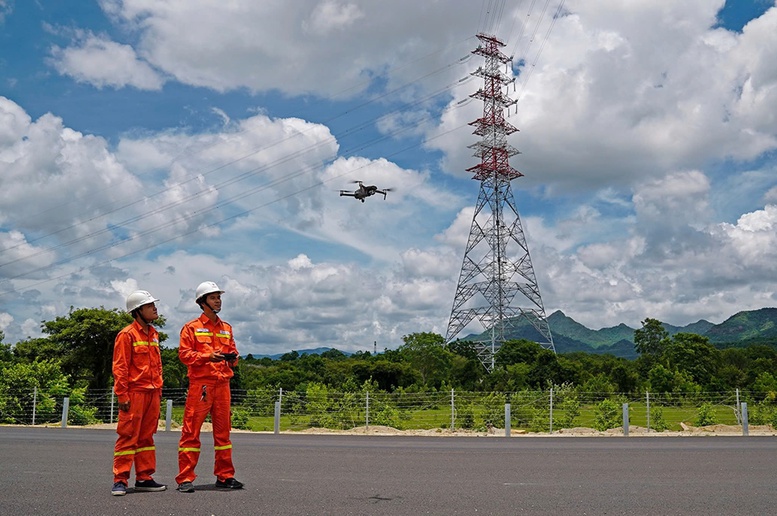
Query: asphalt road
53,471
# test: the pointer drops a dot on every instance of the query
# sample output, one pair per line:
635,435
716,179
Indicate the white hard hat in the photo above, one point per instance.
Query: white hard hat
205,288
138,299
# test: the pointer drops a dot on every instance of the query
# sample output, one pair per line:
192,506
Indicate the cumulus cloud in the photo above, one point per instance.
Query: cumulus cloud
676,264
641,126
627,91
104,63
317,37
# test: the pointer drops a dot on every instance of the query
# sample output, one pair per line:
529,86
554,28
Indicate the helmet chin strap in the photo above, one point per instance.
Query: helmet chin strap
205,302
145,321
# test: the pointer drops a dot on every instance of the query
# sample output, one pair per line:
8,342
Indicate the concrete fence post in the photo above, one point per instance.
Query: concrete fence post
507,420
551,410
626,419
453,410
34,402
367,415
169,415
277,417
65,410
745,429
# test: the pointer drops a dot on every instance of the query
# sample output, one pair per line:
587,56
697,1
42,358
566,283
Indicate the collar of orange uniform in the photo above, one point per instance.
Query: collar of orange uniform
205,320
139,327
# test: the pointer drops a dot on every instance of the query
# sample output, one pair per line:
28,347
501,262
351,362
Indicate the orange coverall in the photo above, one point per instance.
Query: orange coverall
137,374
208,394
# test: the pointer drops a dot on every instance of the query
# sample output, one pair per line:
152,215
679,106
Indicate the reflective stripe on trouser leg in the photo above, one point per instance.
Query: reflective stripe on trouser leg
194,414
222,424
145,454
132,427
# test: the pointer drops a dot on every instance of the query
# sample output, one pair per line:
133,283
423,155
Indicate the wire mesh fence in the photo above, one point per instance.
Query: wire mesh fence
531,411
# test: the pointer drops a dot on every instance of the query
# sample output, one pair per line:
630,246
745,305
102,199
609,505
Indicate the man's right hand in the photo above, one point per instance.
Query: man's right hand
124,406
216,357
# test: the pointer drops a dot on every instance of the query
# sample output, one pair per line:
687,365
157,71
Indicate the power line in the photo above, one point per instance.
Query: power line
225,165
349,153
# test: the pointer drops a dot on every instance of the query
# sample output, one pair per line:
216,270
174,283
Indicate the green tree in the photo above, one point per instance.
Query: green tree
427,354
42,348
651,338
5,349
174,373
661,379
694,355
85,338
19,380
546,370
516,352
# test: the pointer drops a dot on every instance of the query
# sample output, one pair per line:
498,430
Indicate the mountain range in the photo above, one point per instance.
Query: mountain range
741,329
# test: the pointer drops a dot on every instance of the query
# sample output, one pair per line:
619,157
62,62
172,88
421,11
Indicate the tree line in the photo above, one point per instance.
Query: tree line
75,355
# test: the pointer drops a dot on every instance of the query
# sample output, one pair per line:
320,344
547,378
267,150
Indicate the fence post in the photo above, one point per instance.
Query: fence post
367,417
112,400
739,407
625,419
453,411
169,415
647,402
745,429
277,417
34,402
551,410
65,410
507,420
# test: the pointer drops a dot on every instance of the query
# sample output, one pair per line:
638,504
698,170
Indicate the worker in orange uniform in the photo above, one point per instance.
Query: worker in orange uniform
137,375
208,349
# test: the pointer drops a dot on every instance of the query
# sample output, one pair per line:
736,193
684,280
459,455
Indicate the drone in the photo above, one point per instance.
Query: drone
364,191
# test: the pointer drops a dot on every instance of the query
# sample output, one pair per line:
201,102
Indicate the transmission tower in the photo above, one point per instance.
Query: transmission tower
497,285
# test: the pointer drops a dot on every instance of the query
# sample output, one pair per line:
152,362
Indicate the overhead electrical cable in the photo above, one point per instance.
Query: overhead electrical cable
222,221
223,203
493,14
237,160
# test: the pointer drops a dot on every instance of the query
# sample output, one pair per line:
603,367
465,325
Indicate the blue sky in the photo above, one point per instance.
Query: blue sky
158,144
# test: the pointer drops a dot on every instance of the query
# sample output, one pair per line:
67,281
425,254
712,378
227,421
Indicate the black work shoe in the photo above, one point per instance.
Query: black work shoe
119,489
149,485
229,483
186,487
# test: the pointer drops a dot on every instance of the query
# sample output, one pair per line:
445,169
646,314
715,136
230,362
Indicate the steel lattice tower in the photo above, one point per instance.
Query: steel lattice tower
497,284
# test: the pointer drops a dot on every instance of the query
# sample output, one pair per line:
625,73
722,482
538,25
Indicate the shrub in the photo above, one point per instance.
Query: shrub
657,421
240,418
705,415
606,415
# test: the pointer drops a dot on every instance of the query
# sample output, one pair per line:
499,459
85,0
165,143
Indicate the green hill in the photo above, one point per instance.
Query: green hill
746,326
756,326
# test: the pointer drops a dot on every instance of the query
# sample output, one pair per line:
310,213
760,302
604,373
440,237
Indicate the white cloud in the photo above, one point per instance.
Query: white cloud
5,320
634,126
318,37
329,16
104,63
